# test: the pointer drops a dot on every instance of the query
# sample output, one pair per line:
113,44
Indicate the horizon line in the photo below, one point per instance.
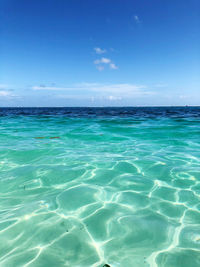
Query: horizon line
139,106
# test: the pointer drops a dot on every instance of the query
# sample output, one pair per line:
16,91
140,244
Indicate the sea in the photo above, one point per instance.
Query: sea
94,187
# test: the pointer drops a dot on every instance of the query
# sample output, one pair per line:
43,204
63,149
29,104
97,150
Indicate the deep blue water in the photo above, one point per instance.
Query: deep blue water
179,112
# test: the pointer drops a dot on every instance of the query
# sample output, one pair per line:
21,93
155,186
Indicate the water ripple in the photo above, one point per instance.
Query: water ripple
122,190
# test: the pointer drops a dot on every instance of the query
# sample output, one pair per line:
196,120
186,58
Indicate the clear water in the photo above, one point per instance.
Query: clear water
88,187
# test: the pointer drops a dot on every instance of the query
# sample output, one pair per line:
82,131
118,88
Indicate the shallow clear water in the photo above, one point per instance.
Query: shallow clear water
86,187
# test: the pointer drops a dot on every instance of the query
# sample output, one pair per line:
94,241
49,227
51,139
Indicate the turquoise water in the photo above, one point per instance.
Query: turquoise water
93,190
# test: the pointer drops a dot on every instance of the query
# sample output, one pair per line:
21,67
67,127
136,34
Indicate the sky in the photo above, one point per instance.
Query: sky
99,53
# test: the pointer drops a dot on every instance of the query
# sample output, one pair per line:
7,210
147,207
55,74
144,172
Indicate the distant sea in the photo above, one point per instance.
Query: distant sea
85,187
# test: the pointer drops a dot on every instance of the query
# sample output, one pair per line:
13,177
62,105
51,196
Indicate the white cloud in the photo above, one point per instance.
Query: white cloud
98,91
5,93
98,50
118,89
113,66
97,87
113,98
8,94
103,60
136,18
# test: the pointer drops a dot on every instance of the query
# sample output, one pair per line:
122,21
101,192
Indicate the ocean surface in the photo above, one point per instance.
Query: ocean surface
82,187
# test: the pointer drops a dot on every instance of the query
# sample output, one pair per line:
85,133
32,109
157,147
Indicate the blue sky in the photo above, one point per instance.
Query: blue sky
99,52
